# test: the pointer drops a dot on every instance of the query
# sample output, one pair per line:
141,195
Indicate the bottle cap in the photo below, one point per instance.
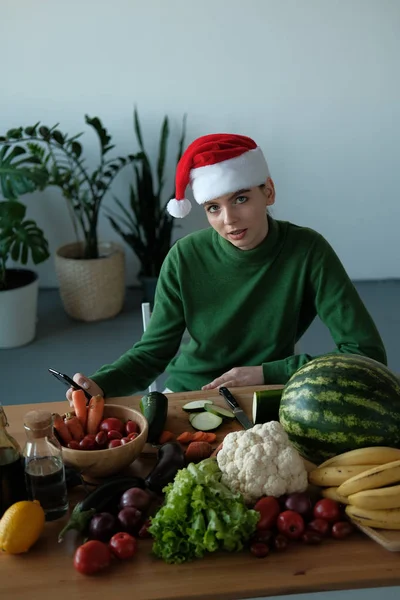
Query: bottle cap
38,420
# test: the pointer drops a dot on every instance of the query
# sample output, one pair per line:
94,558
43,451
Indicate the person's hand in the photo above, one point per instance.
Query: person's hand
238,376
87,384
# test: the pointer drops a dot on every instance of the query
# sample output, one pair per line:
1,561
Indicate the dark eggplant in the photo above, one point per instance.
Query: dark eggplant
170,458
104,498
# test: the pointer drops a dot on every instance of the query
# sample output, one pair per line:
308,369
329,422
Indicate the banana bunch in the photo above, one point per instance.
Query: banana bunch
367,480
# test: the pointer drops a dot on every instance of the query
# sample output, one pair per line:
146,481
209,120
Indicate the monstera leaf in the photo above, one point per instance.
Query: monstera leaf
20,172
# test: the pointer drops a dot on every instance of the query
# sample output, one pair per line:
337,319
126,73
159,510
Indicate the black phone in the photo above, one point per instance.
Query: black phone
69,382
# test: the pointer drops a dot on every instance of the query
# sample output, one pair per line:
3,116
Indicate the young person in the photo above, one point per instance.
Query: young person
247,288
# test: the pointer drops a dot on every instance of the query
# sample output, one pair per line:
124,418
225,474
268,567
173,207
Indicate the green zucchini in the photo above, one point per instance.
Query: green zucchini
105,496
154,406
205,421
220,412
196,405
266,405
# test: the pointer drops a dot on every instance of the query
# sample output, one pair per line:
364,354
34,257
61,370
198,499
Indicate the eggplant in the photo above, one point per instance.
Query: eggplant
170,458
103,499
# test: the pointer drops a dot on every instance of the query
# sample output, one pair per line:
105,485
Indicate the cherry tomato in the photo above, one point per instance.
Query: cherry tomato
291,524
144,530
74,445
259,549
132,436
88,442
311,537
124,441
92,557
114,443
131,427
342,529
269,509
320,526
123,545
113,434
101,439
263,535
280,542
327,509
112,423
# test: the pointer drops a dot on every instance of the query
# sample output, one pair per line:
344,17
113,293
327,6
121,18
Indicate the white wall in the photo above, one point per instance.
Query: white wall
315,82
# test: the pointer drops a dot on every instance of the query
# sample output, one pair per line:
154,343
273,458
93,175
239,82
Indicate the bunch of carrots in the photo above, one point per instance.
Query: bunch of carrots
86,420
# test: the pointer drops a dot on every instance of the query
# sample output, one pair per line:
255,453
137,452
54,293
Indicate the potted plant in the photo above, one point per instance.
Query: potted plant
91,273
147,226
20,238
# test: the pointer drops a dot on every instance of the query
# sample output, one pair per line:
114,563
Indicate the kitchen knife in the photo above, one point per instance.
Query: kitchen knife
237,411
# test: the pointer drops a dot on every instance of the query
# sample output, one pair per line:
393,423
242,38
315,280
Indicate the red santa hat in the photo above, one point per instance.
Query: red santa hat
214,165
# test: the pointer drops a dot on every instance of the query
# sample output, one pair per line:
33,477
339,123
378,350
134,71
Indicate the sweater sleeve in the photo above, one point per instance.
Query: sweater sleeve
137,368
339,307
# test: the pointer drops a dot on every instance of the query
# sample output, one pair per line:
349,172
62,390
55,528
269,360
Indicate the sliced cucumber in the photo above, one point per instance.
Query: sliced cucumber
220,412
196,405
205,421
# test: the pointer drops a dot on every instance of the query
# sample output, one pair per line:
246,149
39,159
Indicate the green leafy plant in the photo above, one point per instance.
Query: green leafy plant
147,226
20,238
61,155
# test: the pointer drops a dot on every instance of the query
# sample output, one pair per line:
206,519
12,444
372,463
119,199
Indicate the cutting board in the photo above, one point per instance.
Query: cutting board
388,538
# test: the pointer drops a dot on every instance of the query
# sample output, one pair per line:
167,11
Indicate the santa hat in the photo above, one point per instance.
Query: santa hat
214,165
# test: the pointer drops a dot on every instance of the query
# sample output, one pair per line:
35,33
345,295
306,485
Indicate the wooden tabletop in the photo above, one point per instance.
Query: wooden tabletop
46,572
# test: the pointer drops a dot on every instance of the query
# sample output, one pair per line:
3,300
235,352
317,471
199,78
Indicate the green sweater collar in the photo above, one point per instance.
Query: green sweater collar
267,249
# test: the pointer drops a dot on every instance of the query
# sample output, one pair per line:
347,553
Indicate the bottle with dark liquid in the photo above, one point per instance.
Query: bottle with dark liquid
44,467
12,480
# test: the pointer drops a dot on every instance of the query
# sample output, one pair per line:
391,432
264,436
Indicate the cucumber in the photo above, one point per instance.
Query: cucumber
196,405
220,412
154,406
266,406
205,421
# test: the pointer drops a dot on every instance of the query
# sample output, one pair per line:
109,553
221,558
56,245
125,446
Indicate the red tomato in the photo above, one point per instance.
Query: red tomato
291,524
132,436
124,441
74,445
269,509
92,557
114,443
88,442
320,526
341,529
113,434
327,509
131,427
123,545
112,423
101,439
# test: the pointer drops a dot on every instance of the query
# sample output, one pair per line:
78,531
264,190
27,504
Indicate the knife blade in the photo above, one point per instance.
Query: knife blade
237,410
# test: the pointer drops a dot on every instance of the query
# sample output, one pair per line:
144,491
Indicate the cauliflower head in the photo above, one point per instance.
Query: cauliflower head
261,462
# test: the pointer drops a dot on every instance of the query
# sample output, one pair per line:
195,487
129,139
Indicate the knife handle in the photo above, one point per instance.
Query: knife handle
228,397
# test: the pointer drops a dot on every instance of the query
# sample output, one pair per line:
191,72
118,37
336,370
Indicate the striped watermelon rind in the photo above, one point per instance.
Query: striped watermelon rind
339,402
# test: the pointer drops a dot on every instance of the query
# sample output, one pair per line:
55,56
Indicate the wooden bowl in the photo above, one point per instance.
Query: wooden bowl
102,463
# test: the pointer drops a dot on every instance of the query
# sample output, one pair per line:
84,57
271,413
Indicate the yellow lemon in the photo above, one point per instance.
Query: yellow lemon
21,526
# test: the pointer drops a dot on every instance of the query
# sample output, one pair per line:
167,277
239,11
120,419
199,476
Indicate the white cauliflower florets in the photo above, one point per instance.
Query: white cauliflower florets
261,462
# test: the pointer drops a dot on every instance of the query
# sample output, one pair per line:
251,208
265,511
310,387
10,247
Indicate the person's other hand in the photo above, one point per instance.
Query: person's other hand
87,384
238,376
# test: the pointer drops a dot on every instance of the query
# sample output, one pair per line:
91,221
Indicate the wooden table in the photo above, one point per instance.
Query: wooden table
46,572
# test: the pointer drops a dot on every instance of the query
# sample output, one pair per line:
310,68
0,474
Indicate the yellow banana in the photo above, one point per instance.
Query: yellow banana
335,476
380,498
371,479
373,455
331,492
380,519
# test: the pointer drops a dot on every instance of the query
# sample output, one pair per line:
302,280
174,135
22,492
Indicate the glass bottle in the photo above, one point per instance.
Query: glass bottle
12,481
44,467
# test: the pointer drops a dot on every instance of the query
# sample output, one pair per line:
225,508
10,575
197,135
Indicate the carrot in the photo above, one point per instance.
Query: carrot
94,414
197,451
185,438
166,436
75,427
61,429
211,438
200,436
79,402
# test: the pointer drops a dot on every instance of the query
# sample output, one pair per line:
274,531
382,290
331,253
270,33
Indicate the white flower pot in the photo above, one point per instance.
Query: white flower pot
18,311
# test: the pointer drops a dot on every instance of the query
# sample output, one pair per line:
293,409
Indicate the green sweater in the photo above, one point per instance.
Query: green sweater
243,308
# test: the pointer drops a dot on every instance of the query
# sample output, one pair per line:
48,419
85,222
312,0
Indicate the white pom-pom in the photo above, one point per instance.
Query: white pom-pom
179,208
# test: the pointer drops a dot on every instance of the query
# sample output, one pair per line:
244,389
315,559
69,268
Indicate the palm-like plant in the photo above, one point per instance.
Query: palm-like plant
60,155
20,238
147,226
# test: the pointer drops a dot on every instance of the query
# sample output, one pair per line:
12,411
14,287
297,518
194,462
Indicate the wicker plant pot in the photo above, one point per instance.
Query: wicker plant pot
91,289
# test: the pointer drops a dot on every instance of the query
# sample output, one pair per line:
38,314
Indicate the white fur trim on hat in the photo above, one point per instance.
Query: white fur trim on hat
179,208
244,171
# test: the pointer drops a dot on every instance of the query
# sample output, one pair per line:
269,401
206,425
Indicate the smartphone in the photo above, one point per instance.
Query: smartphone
69,382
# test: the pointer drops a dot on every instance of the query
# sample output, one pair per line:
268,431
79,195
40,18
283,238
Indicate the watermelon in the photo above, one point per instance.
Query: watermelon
340,402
